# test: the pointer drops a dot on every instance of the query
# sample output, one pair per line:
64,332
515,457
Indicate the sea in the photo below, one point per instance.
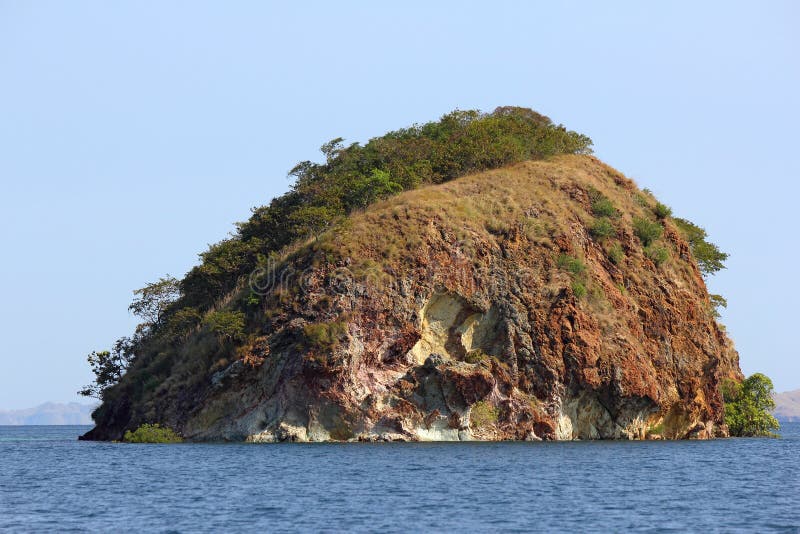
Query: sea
51,482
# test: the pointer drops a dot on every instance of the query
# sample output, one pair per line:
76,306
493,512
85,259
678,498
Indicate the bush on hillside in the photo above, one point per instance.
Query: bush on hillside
226,325
476,356
325,336
570,264
183,321
578,289
602,207
662,211
615,253
646,230
602,229
657,255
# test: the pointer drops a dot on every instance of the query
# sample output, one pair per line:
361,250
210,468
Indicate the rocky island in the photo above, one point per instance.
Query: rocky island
478,277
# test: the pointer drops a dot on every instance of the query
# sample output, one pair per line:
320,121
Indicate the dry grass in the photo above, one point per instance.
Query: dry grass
544,199
546,203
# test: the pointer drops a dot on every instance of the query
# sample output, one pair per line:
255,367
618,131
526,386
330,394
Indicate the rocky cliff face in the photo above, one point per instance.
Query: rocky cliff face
483,308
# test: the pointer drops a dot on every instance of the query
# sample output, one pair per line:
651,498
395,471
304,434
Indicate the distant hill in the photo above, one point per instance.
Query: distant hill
49,413
787,407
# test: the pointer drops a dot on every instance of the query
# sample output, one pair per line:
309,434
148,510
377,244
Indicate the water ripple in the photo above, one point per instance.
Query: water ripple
49,481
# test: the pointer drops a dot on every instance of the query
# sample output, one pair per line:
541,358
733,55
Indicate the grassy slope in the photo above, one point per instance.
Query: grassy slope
484,206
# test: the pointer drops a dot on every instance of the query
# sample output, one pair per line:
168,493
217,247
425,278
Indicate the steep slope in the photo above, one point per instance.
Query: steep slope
491,307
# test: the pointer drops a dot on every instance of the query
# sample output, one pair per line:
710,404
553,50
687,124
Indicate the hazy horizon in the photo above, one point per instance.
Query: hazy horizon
135,134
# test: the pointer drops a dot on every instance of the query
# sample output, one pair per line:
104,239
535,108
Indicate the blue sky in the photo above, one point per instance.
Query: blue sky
133,134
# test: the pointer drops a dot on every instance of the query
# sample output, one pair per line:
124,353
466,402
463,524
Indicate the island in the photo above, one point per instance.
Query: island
479,277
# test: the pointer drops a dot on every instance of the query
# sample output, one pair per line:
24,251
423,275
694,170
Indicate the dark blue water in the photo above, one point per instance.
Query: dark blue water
49,481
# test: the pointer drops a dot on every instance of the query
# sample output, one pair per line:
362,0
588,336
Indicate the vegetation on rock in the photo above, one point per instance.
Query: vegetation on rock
615,253
152,433
226,325
657,254
577,270
476,356
325,336
646,230
662,211
602,207
482,414
572,265
602,228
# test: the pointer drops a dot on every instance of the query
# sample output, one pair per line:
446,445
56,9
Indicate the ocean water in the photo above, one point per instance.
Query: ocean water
49,481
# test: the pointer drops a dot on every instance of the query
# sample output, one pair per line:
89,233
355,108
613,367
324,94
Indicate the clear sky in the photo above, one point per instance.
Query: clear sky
133,134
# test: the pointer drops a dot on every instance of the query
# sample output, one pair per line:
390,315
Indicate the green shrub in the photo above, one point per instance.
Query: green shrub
615,254
226,325
182,322
578,289
657,254
577,270
573,265
482,414
662,211
647,231
152,433
367,189
602,229
603,207
475,356
325,336
748,406
641,199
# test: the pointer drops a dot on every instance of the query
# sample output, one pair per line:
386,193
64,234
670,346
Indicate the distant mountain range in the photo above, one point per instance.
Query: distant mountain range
787,406
49,413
